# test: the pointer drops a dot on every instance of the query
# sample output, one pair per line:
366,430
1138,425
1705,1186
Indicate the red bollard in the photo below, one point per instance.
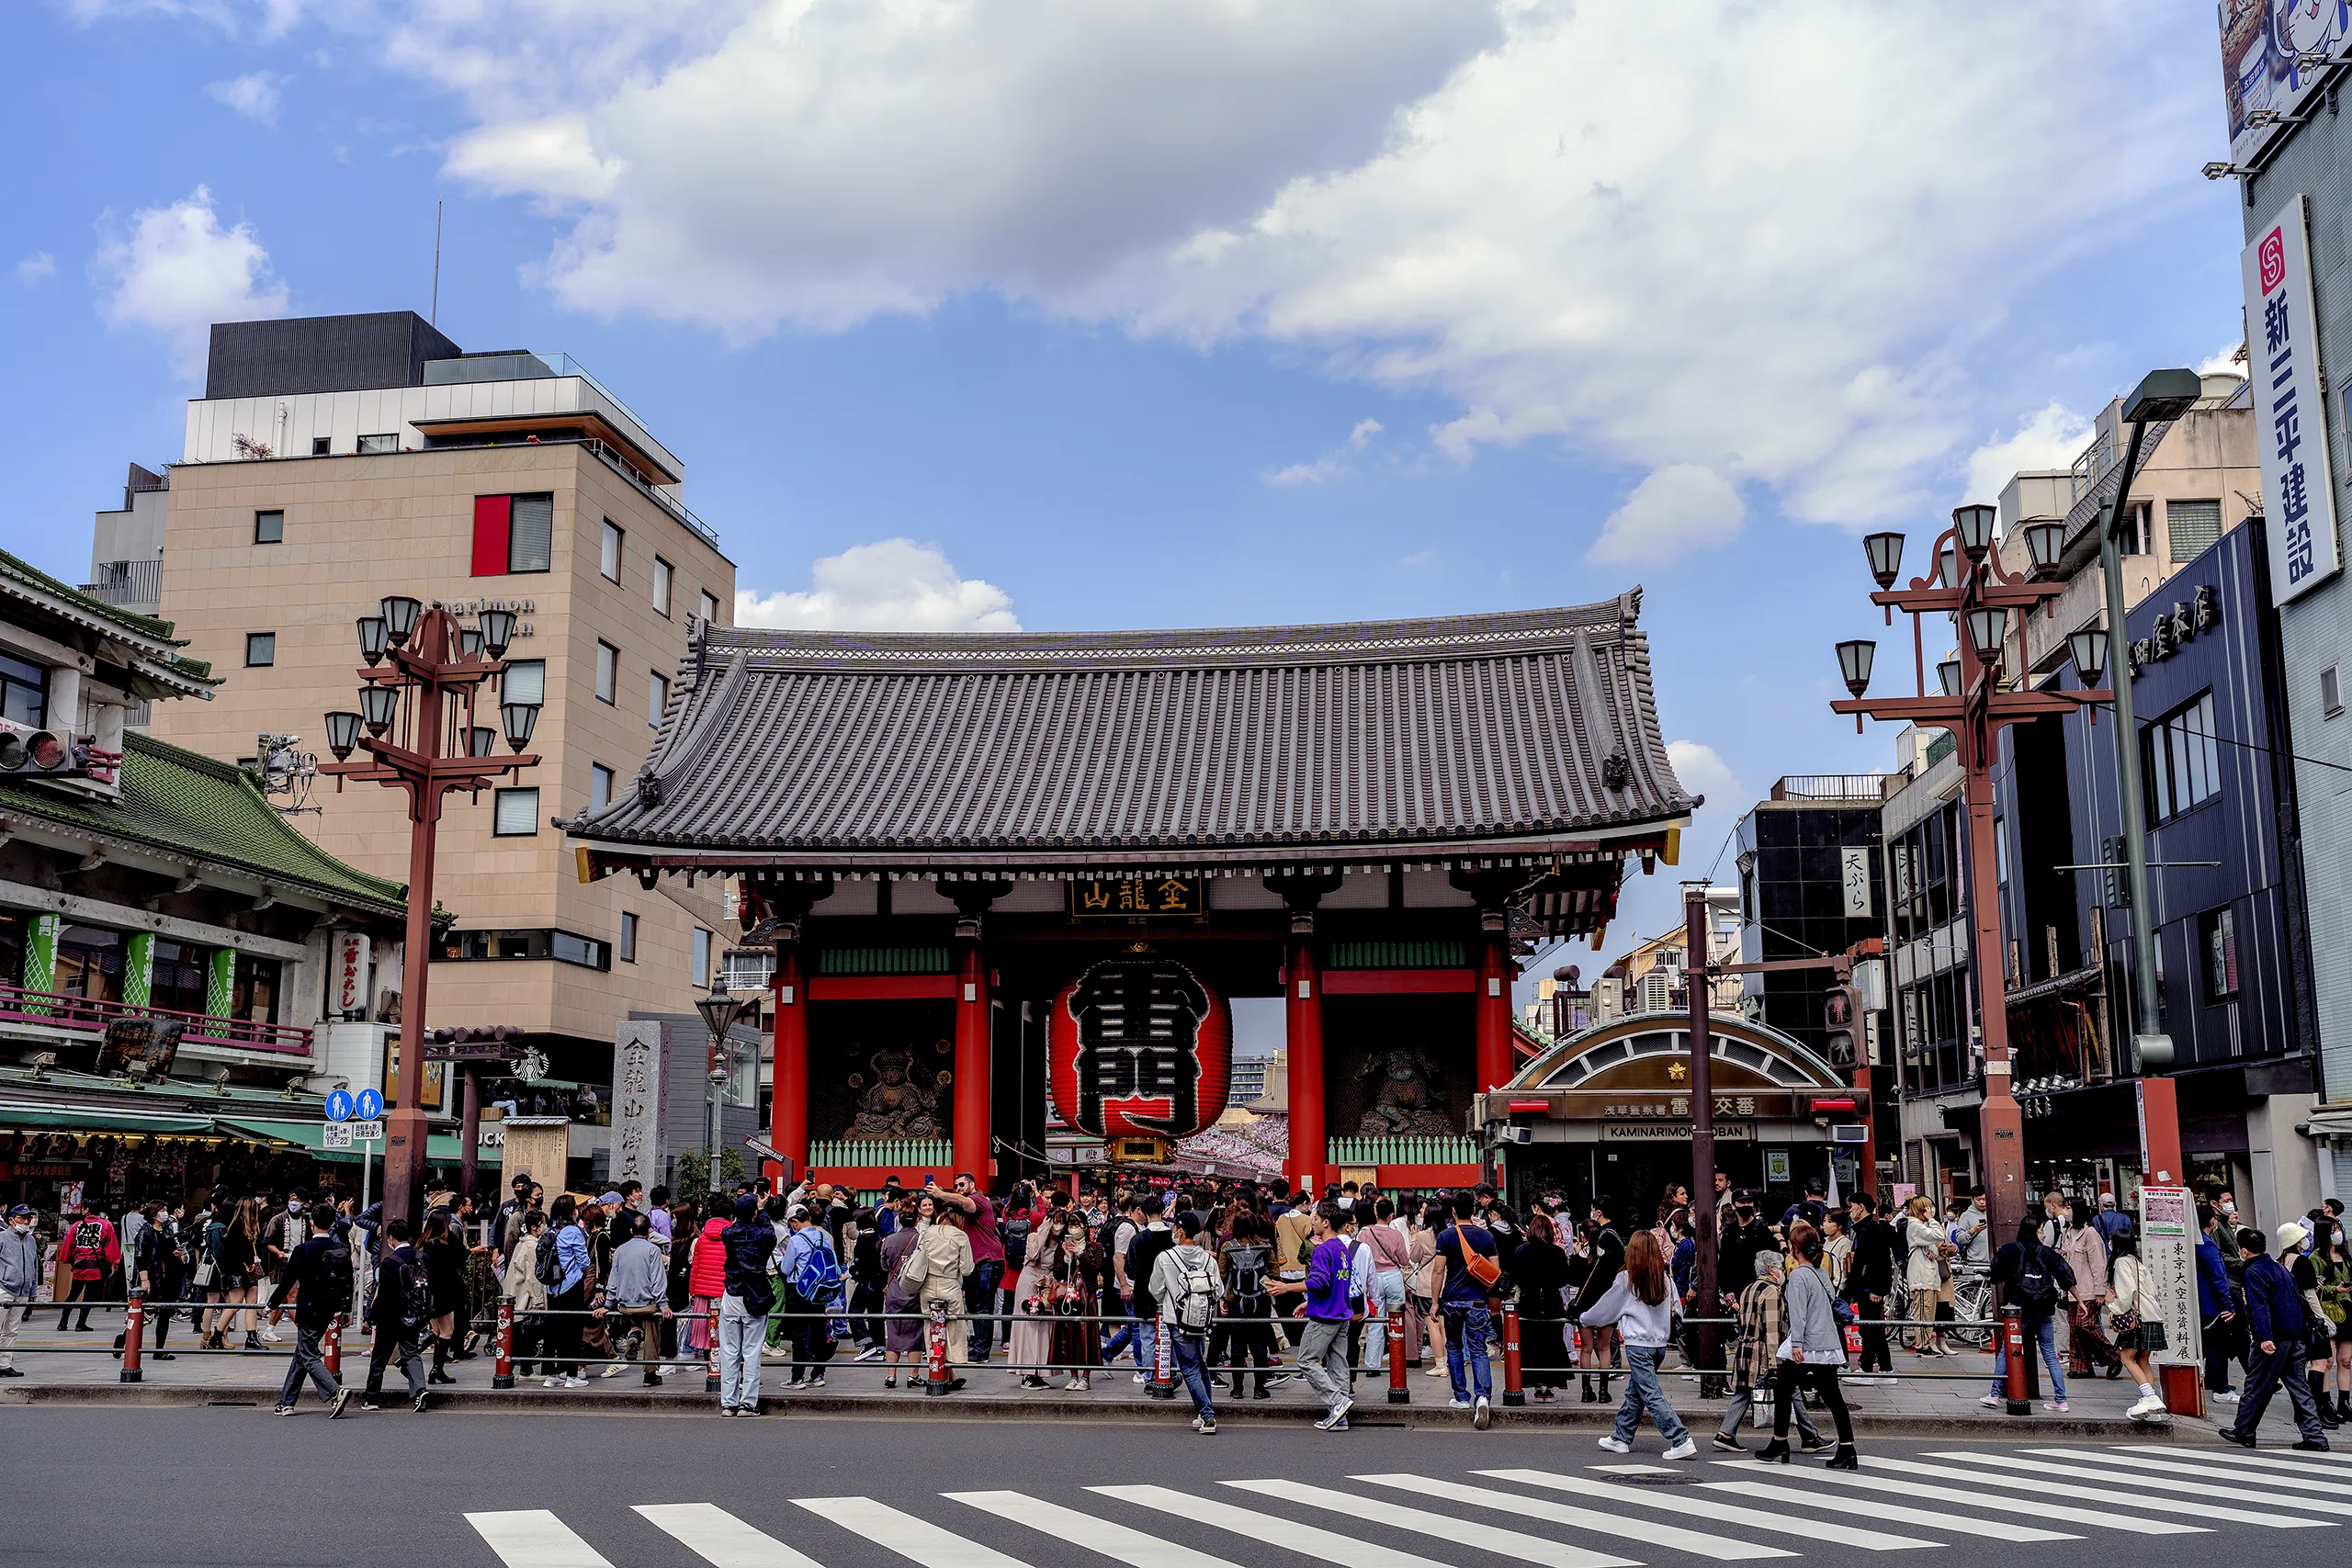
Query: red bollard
711,1367
134,1329
1397,1391
1512,1393
330,1347
2013,1346
502,1372
936,1381
1163,1355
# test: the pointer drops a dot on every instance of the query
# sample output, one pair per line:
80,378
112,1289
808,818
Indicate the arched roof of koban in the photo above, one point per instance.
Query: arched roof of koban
1779,1059
1500,729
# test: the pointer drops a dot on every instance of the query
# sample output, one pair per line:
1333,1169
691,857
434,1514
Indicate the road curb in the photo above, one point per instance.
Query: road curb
984,1407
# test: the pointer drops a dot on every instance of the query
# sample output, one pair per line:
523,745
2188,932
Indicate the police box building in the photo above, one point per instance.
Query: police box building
1003,872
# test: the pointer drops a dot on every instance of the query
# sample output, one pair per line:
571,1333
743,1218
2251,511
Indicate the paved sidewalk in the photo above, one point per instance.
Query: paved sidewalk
77,1368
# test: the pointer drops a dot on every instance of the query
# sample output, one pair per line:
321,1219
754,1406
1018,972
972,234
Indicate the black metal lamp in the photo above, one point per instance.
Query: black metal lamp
497,632
1948,568
481,740
400,614
1855,657
1975,526
519,720
1988,628
469,643
1947,674
2045,541
373,639
717,1008
1885,551
378,706
2163,394
2089,649
342,734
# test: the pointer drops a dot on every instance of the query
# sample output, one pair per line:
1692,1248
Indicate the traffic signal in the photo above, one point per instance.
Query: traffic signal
40,752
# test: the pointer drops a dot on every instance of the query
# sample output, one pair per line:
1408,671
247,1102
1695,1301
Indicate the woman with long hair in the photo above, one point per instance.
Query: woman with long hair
2311,1271
1540,1271
901,1335
1639,1306
239,1249
2130,1304
1029,1345
1074,1274
445,1268
1816,1348
2334,1270
2085,1248
1428,1284
1924,1251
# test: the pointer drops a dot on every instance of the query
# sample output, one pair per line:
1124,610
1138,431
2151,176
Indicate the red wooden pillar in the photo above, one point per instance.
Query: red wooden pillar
1303,1033
971,1117
1493,1000
2160,1133
788,1111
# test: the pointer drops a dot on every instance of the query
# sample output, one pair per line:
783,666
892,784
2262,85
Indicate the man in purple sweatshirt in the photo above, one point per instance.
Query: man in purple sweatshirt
1328,1310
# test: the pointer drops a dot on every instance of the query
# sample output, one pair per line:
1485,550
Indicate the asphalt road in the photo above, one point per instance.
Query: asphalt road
238,1487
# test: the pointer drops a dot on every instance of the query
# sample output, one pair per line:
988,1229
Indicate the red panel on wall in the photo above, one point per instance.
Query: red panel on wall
492,516
881,987
1400,982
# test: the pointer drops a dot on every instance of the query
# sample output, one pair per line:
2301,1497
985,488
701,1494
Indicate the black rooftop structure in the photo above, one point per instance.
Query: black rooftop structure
322,353
1528,738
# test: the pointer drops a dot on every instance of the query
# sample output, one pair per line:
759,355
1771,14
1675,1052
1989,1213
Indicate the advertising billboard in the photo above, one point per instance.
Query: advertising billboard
2289,411
2268,50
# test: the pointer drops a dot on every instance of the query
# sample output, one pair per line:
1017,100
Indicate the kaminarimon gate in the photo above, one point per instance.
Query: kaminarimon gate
1004,873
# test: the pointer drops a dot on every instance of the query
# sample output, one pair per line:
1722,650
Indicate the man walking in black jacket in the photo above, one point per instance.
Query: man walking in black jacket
402,1312
317,1274
1877,1255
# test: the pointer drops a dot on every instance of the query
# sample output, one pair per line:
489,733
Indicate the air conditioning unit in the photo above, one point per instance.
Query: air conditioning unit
42,753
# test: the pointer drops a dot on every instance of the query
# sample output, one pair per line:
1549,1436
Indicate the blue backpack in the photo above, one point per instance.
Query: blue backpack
818,1276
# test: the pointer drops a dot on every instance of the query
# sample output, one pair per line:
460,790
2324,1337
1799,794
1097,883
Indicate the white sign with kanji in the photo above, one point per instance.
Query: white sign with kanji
2289,410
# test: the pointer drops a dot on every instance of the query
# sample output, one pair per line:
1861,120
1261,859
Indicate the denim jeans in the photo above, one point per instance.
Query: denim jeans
740,1335
309,1360
1129,1334
1383,1300
1466,1328
1192,1371
1641,1392
979,1302
2044,1334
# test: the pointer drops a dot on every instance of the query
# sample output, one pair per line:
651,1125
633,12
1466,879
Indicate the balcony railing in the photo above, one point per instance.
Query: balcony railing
833,1153
1831,786
88,1014
129,584
1412,1149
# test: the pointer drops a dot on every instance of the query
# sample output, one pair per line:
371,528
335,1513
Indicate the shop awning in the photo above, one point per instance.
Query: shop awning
72,1119
311,1136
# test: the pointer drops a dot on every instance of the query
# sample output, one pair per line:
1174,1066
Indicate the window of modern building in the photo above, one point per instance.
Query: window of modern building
513,534
608,666
377,445
253,991
2217,932
657,697
2182,759
2132,540
261,648
663,573
707,606
522,945
320,446
24,692
628,937
600,787
609,555
702,957
2331,692
515,813
269,527
2194,527
526,680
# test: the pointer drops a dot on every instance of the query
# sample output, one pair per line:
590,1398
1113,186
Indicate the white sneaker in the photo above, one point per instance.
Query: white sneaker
1686,1449
1992,1402
1614,1446
2055,1406
2149,1404
271,1336
667,1369
575,1382
1457,1404
612,1372
2227,1396
1484,1413
552,1382
1141,1378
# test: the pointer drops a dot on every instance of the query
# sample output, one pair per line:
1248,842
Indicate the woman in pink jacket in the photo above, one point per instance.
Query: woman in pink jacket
707,1280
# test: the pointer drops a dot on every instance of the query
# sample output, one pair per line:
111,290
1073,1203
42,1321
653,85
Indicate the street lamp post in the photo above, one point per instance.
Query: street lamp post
718,1009
417,708
1971,587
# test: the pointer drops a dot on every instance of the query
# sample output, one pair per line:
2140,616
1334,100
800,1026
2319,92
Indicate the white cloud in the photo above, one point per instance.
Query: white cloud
1331,465
238,18
2050,437
1681,508
2227,360
38,268
1704,773
175,270
893,585
254,94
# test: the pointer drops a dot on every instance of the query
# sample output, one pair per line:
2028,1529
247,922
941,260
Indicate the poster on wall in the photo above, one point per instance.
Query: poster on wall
436,1077
2273,52
2289,410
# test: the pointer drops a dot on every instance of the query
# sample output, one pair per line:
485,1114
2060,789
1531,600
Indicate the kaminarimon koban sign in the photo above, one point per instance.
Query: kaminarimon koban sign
1141,1054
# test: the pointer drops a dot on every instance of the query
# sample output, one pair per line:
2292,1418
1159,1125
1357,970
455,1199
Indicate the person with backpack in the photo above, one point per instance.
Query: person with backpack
1187,1287
316,1277
1639,1306
564,1268
1143,1256
1114,1236
637,1291
1473,1273
88,1251
2033,1278
750,1244
1244,1336
1814,1344
1322,1344
813,1282
400,1313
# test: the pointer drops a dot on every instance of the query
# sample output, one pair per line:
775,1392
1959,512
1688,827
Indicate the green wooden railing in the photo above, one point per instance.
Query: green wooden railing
829,1153
1443,954
1410,1149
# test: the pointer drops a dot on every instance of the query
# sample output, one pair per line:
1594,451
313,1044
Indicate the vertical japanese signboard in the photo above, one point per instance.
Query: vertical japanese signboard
350,976
2169,1256
1854,874
2290,411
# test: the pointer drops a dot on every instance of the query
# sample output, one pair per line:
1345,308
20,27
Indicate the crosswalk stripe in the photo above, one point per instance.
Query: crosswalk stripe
2322,1459
2043,1487
718,1538
2240,1493
1346,1550
2221,1476
1466,1532
917,1540
1921,1491
1722,1547
1874,1508
1132,1546
2292,1464
533,1537
1704,1507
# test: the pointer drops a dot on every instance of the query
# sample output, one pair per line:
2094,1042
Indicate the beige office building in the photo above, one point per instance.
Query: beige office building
335,460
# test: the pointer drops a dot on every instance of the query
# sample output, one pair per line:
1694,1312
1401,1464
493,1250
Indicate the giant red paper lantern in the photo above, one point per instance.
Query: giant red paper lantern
1138,1047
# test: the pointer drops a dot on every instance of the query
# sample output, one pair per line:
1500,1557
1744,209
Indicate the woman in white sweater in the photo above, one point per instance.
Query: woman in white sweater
1639,1305
2130,1304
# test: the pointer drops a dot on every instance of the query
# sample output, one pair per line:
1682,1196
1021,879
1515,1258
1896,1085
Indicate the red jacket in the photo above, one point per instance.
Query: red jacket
84,1260
706,1276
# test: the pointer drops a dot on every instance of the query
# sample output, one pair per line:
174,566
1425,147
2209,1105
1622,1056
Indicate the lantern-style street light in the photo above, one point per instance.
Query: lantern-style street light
718,1009
423,672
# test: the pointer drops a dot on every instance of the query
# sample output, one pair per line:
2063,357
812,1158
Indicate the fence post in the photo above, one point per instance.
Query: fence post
1512,1393
330,1347
134,1329
936,1379
1163,1375
2013,1346
1397,1394
711,1365
502,1372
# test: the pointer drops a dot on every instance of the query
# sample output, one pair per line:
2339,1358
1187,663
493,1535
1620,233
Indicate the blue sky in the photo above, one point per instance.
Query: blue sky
1158,314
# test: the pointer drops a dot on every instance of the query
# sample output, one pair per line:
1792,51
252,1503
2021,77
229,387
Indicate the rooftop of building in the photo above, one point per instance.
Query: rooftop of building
141,651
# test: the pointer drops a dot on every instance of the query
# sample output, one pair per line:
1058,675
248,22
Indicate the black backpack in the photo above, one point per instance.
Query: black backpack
2037,1285
548,1266
1246,1278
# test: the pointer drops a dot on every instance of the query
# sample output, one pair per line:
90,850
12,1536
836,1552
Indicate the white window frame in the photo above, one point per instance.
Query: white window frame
664,582
609,672
498,809
610,549
600,787
657,697
702,955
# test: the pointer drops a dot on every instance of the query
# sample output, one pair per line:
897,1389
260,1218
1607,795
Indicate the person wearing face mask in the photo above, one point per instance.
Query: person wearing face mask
285,1230
19,1279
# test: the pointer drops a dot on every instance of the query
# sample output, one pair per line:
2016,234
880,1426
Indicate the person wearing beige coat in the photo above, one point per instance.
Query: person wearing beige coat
2085,1251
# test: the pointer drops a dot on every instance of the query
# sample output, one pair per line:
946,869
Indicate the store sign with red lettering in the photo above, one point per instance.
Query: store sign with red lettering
350,972
1139,1046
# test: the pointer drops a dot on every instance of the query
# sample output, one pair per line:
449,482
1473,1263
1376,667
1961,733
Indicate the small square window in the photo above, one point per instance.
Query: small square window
526,680
657,697
515,813
662,575
628,938
269,527
600,787
707,607
261,648
320,446
609,663
2331,692
377,446
608,558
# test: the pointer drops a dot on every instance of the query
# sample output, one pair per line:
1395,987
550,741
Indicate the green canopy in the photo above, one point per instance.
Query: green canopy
312,1136
66,1119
